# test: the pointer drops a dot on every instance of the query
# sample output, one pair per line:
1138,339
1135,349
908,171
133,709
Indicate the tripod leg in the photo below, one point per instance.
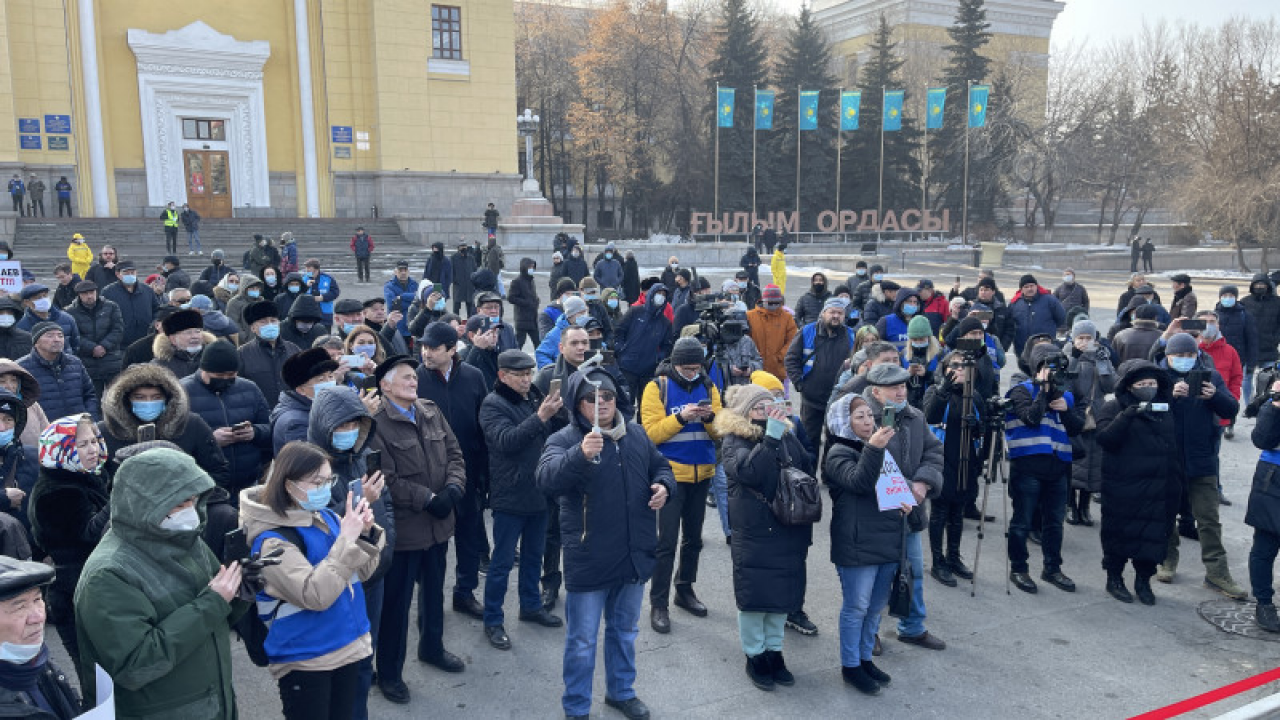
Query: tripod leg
1006,532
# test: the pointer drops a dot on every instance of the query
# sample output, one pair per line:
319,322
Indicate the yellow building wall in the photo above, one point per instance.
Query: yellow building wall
40,80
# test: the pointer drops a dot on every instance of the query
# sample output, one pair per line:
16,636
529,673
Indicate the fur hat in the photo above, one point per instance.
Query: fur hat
260,310
305,365
182,320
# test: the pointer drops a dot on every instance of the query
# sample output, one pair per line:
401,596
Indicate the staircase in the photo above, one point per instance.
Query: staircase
40,243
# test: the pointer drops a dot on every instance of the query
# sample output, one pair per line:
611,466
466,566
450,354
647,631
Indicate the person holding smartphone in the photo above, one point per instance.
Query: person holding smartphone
314,598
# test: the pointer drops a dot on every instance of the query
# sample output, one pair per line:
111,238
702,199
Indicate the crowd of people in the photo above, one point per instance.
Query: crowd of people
254,452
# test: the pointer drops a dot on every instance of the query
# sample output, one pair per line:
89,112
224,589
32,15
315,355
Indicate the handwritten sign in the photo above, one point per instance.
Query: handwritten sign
106,708
11,276
892,489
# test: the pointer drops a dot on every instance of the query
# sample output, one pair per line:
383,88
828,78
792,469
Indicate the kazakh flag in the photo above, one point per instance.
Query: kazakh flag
764,109
724,107
849,109
808,109
978,95
937,104
893,109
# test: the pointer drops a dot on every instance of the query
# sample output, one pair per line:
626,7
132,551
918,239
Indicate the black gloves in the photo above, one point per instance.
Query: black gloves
442,503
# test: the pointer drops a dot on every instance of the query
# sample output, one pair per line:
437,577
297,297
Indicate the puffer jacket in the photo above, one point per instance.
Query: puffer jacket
1196,421
772,331
262,363
1241,331
238,403
178,361
809,306
289,419
768,557
338,406
1263,512
1264,308
69,328
861,533
284,299
137,308
144,608
177,424
514,435
65,386
99,325
643,338
419,458
610,534
1044,314
240,300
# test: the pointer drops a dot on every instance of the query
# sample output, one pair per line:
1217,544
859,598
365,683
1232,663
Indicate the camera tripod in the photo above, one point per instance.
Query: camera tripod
993,472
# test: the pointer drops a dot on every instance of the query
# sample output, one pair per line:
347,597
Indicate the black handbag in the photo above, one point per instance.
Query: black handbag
900,594
798,500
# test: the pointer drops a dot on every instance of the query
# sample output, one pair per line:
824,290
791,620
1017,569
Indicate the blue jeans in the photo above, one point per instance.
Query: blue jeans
866,592
620,608
530,531
720,487
1047,496
193,240
1247,385
913,624
373,607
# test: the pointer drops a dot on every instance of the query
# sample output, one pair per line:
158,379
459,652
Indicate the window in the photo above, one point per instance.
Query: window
446,32
195,129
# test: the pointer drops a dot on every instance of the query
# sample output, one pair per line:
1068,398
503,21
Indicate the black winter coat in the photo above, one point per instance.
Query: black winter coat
289,419
1197,423
944,406
1263,512
262,362
768,557
1241,332
242,401
514,435
459,401
463,265
861,534
522,293
1265,311
137,308
304,308
630,289
55,687
69,513
14,343
1140,488
65,387
102,325
809,306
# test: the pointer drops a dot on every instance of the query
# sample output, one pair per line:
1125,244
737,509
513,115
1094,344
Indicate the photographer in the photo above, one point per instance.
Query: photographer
1038,430
1137,435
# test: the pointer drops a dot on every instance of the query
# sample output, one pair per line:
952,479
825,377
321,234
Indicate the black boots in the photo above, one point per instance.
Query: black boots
956,564
778,667
1116,588
1073,508
1265,616
1078,508
1142,588
941,572
760,672
857,676
1086,517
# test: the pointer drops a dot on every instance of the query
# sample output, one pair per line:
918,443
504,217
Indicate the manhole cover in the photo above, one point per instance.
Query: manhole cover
1235,618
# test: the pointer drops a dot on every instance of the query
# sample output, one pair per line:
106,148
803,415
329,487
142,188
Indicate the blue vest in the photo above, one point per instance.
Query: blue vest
991,351
692,445
807,337
1049,437
295,634
895,331
323,282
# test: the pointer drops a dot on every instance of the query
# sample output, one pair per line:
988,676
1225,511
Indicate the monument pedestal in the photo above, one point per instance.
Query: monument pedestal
530,230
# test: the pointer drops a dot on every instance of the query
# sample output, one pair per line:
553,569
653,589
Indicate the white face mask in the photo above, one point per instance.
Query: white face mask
43,304
7,320
182,521
20,654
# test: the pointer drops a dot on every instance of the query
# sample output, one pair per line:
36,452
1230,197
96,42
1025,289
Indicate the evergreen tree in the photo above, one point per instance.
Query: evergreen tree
739,63
995,149
860,168
969,34
803,66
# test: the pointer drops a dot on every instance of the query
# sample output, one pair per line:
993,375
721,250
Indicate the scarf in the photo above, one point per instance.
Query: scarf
616,432
23,678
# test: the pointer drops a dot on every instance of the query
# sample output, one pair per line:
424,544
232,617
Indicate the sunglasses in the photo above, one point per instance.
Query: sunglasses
604,395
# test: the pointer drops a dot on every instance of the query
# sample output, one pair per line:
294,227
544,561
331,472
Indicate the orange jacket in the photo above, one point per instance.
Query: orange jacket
772,332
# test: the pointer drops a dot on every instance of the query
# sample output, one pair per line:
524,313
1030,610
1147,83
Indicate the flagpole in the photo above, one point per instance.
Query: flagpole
880,202
798,91
755,121
964,221
839,125
715,205
924,164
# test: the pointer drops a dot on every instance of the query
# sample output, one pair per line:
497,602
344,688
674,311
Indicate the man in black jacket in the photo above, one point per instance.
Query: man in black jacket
458,389
814,361
101,334
262,358
137,302
516,418
523,295
236,411
14,342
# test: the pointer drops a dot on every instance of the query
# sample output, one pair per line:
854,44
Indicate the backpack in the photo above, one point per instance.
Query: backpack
251,628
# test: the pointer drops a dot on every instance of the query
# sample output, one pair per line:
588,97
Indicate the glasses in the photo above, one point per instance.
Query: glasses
603,395
326,482
762,407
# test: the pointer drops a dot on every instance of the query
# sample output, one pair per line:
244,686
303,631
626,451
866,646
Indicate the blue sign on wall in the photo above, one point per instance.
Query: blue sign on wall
59,142
28,125
29,142
60,124
342,133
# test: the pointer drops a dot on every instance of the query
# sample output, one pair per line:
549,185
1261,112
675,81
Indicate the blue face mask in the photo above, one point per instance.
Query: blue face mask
877,277
346,439
295,289
6,437
348,327
270,280
612,303
129,279
1182,365
910,309
317,498
253,294
439,306
233,286
896,405
322,385
148,410
1228,302
366,350
270,331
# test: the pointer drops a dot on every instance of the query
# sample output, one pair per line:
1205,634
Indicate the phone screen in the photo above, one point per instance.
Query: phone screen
356,490
235,546
890,418
373,461
147,433
554,389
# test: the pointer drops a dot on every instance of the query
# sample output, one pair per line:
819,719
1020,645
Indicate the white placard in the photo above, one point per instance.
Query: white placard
11,276
106,709
892,489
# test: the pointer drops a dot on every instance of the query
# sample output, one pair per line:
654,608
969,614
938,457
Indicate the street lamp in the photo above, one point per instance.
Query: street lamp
527,126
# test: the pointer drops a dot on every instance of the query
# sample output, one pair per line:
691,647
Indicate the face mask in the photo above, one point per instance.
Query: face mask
877,277
7,320
270,280
582,320
43,304
528,271
270,331
304,326
220,385
611,302
295,289
896,405
348,327
346,439
233,286
696,375
675,266
920,345
577,254
439,306
322,385
659,300
6,437
910,309
861,272
185,520
148,410
19,654
1258,291
1228,302
608,256
317,498
1068,279
819,288
772,305
1210,333
366,350
1182,365
5,256
742,284
1145,394
253,294
194,348
216,262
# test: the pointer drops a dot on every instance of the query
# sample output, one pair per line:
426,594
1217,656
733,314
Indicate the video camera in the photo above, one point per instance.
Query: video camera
1059,372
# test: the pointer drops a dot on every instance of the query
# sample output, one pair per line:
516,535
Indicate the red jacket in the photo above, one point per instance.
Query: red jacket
366,237
1227,361
666,309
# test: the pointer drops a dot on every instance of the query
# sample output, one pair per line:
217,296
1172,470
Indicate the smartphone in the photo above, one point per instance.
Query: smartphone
608,357
353,361
146,433
373,462
704,403
890,419
396,305
554,389
1195,382
1189,325
243,425
355,490
235,546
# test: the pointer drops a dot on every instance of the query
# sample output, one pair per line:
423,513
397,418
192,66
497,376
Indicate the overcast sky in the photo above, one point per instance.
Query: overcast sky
1100,21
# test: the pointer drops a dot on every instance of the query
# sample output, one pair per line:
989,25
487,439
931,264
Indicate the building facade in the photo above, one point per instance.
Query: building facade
263,108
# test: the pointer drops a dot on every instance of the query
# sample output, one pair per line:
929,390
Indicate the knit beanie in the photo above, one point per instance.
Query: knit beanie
919,327
1084,327
766,380
771,293
1181,344
687,351
1027,279
220,356
741,398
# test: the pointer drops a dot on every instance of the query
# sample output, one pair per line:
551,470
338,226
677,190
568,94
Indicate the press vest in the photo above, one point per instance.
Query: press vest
808,336
692,445
1047,438
170,218
895,331
295,634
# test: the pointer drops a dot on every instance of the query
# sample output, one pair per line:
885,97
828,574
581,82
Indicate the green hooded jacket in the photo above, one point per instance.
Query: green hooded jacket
144,609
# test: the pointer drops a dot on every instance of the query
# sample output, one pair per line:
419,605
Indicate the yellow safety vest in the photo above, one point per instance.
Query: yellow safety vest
170,218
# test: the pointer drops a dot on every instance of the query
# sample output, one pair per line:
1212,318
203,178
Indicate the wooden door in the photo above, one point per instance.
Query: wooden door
208,181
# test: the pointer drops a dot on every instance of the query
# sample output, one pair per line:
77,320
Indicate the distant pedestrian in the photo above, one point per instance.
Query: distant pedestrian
491,222
191,223
63,189
362,246
1135,249
18,191
170,216
35,190
1148,250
